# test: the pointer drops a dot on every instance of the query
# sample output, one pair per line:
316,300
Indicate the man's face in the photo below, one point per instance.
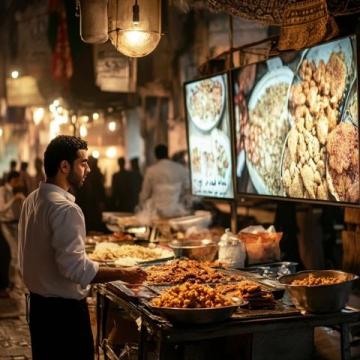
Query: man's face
79,170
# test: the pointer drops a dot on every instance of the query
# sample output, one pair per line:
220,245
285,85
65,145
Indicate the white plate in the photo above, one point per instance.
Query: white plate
279,75
205,123
208,181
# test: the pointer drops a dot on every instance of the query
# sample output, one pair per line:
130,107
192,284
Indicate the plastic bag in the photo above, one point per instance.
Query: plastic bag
262,245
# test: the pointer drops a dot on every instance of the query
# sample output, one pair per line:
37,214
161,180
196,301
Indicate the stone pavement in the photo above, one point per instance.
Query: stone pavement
14,333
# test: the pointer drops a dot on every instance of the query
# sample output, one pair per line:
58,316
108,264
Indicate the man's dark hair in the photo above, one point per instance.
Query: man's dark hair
24,165
13,164
161,151
63,147
12,175
121,162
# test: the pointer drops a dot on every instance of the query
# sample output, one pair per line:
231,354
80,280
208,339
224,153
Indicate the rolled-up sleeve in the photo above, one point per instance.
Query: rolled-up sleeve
68,241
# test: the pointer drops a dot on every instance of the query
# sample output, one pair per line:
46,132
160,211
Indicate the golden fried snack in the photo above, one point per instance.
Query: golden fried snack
312,280
189,295
314,104
180,271
343,160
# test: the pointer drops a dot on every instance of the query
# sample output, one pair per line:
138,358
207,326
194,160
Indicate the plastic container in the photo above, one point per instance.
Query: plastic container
232,251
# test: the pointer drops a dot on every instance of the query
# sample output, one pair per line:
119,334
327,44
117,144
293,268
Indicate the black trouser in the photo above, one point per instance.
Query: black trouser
60,329
4,262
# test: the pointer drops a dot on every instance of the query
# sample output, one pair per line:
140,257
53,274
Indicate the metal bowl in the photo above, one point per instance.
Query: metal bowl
196,316
204,250
321,298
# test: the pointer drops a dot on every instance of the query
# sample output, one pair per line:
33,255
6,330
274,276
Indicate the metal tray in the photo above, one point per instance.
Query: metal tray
196,316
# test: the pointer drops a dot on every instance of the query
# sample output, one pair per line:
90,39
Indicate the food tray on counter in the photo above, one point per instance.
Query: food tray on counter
241,312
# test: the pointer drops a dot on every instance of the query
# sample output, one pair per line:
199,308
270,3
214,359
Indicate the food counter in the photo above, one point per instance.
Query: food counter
271,334
265,326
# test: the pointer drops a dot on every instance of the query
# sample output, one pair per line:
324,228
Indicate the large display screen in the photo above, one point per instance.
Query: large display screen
208,125
296,122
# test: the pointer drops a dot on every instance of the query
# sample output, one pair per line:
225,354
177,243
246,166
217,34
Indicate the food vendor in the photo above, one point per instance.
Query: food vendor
165,184
53,262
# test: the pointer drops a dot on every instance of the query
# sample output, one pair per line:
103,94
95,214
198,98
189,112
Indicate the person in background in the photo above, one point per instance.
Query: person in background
53,261
135,182
12,167
91,197
165,184
39,173
26,179
120,188
11,199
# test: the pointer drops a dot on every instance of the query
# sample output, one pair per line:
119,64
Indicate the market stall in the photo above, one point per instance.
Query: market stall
279,333
268,130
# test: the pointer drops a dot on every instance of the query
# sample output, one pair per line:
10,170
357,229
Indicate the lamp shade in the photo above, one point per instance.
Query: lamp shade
135,26
93,21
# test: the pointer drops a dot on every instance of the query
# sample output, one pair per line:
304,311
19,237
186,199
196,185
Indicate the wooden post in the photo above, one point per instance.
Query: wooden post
351,240
233,214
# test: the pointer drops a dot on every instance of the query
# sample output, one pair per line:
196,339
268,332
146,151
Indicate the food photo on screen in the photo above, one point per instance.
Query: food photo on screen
300,139
208,123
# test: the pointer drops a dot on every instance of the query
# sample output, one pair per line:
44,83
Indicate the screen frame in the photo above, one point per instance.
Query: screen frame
231,127
241,195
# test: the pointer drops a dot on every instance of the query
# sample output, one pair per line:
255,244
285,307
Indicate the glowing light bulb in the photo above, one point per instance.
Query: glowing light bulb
111,152
1,132
95,154
112,126
15,74
38,115
56,102
83,131
95,116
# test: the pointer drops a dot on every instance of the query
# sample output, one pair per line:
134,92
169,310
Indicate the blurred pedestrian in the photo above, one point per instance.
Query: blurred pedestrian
120,194
26,178
91,197
39,173
165,184
11,199
135,182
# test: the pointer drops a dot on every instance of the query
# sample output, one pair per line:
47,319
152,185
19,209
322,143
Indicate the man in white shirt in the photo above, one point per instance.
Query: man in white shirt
52,257
165,183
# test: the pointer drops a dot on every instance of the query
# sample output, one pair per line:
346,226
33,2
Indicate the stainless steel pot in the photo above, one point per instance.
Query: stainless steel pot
205,250
321,298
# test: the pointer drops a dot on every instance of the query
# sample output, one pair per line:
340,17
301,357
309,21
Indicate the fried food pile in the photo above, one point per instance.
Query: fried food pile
248,291
264,137
312,280
180,271
189,295
343,161
314,106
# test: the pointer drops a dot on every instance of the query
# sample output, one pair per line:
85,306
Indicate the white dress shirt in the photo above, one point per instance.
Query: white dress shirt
165,183
52,255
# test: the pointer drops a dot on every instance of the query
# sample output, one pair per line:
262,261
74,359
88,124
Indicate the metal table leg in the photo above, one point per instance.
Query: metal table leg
345,342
